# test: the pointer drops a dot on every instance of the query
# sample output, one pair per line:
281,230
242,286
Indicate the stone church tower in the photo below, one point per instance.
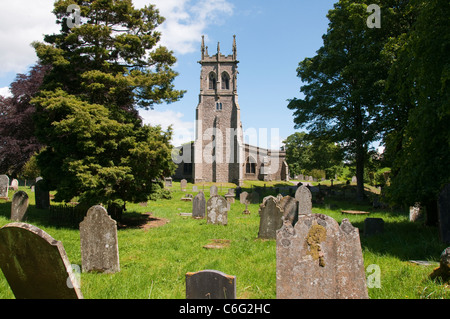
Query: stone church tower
218,147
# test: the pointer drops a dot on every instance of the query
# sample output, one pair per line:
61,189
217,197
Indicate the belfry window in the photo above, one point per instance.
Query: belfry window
212,81
225,81
218,106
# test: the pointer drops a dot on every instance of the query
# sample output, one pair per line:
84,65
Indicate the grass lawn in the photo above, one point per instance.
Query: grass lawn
154,261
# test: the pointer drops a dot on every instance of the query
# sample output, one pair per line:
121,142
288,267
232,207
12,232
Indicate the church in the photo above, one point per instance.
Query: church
219,153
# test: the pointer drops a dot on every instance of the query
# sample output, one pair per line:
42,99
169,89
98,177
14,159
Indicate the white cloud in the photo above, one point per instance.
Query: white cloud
183,131
5,92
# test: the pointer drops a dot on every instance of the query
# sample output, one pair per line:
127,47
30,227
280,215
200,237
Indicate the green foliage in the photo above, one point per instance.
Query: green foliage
30,170
86,113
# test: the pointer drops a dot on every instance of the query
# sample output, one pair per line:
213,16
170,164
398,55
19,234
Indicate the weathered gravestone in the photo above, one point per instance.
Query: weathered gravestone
199,206
99,244
217,210
290,208
213,191
15,184
42,195
36,265
253,198
304,198
168,182
19,206
271,218
319,259
243,198
210,284
183,185
373,226
4,186
415,212
195,188
354,180
444,214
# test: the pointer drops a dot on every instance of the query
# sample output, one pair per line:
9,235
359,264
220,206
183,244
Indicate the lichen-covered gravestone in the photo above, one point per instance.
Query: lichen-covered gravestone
318,259
304,198
4,186
213,191
271,218
217,210
199,206
36,265
19,206
99,244
210,284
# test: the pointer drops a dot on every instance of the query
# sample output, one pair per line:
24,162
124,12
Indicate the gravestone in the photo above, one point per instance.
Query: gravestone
194,188
238,191
99,245
354,179
304,198
36,265
168,182
199,206
4,186
271,218
243,198
15,184
444,214
415,212
290,208
230,198
42,195
373,226
301,177
217,210
183,185
213,191
210,284
319,259
19,206
253,197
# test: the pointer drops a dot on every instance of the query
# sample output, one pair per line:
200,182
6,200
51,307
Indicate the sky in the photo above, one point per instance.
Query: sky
272,38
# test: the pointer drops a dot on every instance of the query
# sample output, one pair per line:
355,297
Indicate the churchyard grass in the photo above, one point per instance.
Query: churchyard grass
154,261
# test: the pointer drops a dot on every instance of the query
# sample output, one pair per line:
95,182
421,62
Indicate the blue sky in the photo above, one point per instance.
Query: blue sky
272,38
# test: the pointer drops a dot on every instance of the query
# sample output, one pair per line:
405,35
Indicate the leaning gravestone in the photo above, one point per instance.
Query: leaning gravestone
36,265
271,218
210,284
19,206
99,245
213,191
444,214
199,206
304,198
319,259
217,210
183,185
42,195
15,184
4,186
243,198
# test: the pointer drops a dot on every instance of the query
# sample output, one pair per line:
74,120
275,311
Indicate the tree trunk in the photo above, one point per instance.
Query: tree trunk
431,212
360,196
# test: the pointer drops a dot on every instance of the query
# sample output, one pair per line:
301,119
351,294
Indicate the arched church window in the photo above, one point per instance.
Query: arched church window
225,81
212,81
250,166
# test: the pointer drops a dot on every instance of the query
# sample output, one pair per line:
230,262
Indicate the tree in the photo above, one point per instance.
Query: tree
342,84
17,139
87,111
423,157
306,153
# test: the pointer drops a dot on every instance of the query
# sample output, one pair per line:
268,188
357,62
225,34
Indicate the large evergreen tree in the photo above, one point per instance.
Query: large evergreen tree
103,70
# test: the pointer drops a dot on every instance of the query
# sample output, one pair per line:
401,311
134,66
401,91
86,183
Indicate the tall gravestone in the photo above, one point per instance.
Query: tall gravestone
199,206
19,206
99,244
290,208
271,218
217,210
444,214
4,186
210,284
42,194
213,191
183,185
304,198
319,259
36,265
